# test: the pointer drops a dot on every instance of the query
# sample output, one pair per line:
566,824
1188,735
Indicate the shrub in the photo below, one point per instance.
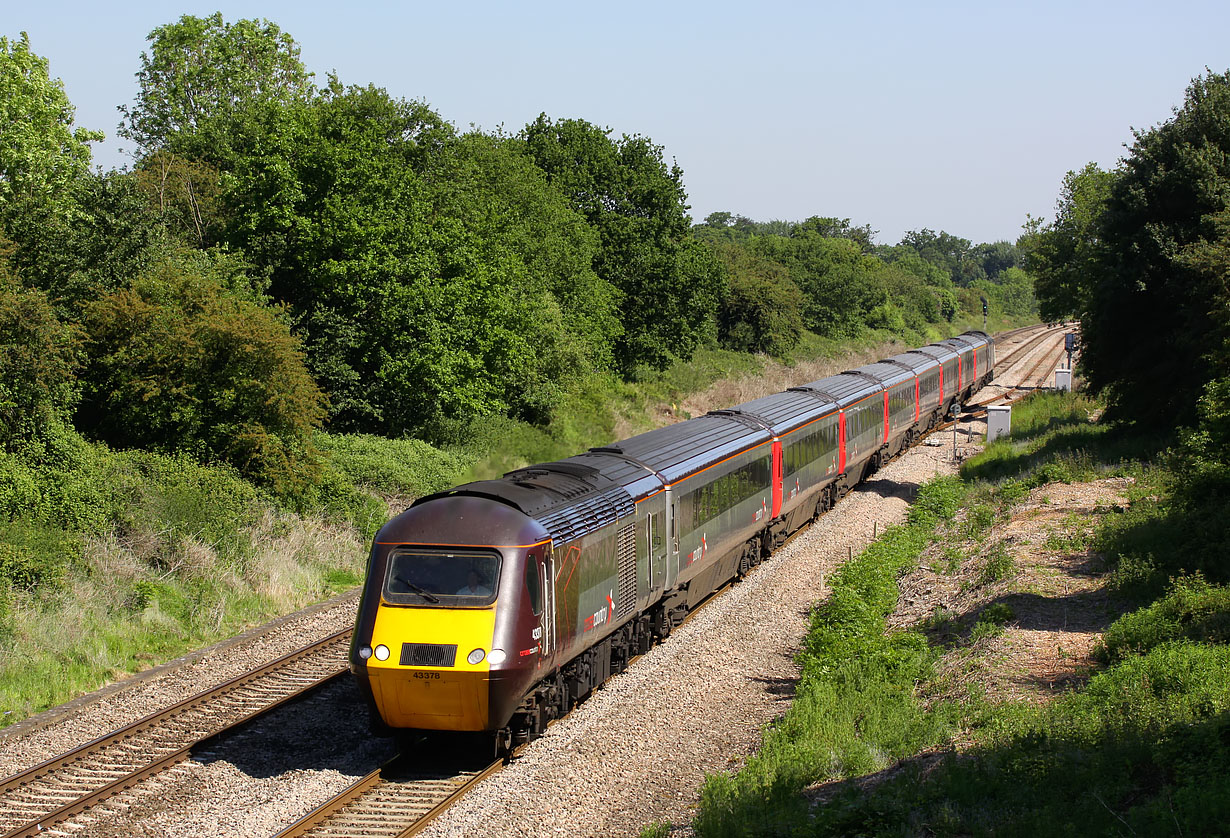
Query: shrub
979,520
38,356
763,311
1192,609
34,557
999,565
179,364
406,467
937,501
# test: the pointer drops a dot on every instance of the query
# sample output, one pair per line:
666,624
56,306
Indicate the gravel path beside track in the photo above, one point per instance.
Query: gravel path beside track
633,754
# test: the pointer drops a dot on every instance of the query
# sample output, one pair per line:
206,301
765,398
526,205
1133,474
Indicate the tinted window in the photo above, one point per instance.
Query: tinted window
441,579
533,584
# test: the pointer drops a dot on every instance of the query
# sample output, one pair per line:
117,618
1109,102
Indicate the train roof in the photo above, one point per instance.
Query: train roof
936,351
676,451
844,388
783,412
887,373
568,499
961,343
917,361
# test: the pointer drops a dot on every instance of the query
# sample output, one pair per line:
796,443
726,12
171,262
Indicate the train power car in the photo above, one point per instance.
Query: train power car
494,606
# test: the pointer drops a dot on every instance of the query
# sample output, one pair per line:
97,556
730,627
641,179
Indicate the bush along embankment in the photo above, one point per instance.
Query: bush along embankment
890,734
112,561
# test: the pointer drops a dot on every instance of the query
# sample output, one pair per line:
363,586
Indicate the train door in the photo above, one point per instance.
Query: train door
672,539
546,574
655,538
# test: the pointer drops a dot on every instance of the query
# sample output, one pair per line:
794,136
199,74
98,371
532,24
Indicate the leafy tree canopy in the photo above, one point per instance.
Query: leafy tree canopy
670,284
952,253
200,71
428,273
1064,255
41,153
997,257
1151,329
179,363
108,240
837,228
763,312
38,360
840,284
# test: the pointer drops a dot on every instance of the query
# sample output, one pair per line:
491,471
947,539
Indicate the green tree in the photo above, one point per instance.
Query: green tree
996,257
727,227
41,154
1064,256
952,253
837,228
185,194
38,361
490,184
108,240
841,285
421,268
1151,328
763,312
670,284
178,363
200,72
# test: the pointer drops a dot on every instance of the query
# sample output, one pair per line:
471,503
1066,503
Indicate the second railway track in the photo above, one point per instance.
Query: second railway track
63,787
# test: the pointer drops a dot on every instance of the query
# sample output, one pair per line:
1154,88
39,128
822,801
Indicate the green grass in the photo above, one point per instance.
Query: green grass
113,561
1142,749
855,711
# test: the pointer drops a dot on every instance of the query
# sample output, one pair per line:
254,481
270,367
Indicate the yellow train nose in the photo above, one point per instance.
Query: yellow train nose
427,680
431,700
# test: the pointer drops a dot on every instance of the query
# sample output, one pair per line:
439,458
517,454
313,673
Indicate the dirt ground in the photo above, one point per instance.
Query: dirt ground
1051,597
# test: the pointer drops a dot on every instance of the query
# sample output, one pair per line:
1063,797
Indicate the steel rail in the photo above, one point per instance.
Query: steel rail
46,778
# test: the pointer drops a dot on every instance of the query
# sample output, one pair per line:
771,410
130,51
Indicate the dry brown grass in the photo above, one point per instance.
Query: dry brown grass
290,552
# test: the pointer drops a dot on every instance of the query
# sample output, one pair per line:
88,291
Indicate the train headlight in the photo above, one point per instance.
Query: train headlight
497,657
365,652
382,652
476,657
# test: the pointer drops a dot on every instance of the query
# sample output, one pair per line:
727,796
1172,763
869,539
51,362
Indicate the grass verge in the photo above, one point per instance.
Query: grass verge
875,744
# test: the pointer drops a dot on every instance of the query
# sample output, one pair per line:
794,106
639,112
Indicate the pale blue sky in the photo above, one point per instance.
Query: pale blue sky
955,116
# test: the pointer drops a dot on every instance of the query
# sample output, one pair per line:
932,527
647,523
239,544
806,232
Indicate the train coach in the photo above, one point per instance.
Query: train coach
495,606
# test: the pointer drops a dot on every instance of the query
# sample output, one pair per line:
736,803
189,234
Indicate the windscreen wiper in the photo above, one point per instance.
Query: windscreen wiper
423,592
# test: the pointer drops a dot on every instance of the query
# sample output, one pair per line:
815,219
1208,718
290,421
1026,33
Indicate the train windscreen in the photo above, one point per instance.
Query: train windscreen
442,579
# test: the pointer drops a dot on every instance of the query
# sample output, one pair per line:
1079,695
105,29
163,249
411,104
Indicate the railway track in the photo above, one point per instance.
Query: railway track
1045,360
1026,347
1027,383
400,799
396,799
74,782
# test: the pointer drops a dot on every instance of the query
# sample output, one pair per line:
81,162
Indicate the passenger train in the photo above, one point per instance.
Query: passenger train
495,606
